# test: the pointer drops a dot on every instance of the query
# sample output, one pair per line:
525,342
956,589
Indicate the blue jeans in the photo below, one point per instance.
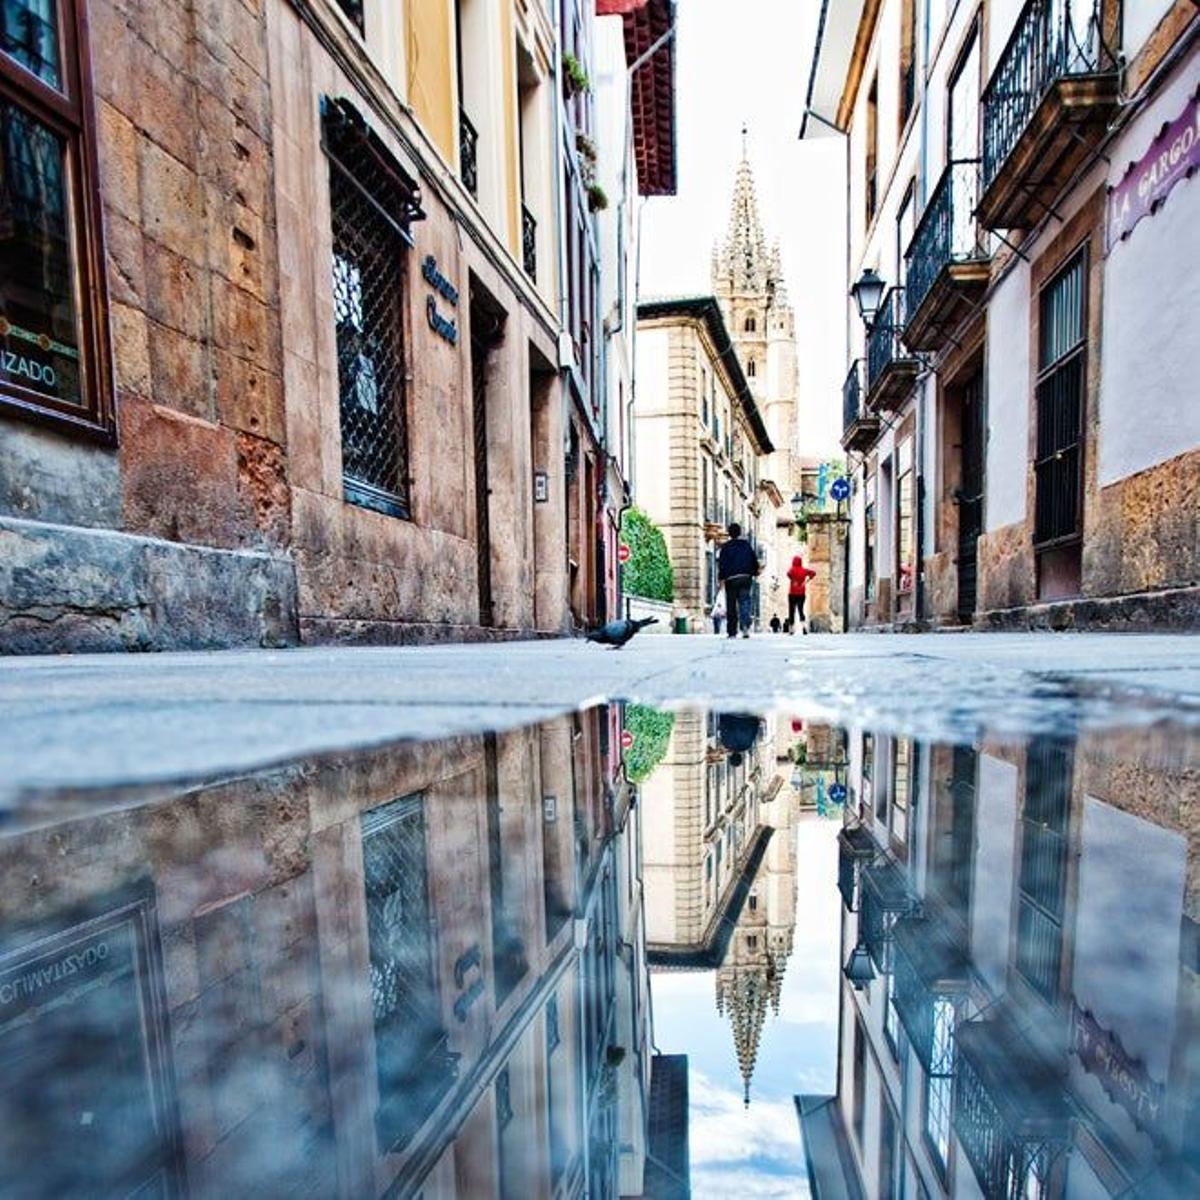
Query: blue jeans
738,595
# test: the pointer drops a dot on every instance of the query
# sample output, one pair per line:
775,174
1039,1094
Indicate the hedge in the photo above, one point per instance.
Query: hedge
651,731
648,572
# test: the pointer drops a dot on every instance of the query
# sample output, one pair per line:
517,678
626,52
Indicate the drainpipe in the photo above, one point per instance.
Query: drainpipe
919,581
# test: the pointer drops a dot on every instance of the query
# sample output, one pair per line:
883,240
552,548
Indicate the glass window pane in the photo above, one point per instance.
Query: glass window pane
29,33
39,320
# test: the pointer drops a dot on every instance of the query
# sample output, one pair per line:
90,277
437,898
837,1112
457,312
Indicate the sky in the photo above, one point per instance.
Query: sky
747,63
756,1153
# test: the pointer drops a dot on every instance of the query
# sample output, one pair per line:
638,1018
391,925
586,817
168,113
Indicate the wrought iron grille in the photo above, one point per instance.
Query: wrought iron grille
413,1065
1062,355
1043,880
1007,1167
884,899
529,242
354,10
884,346
1052,39
947,232
371,202
468,153
852,391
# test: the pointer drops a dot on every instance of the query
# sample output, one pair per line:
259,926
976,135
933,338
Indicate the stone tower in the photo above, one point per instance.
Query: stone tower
747,279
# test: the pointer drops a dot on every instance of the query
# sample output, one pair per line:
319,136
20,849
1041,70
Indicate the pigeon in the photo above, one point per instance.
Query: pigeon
617,633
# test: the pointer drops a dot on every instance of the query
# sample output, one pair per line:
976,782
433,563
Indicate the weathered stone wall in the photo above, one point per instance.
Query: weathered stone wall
182,112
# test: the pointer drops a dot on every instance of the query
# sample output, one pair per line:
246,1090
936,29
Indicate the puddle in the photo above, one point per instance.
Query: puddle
619,953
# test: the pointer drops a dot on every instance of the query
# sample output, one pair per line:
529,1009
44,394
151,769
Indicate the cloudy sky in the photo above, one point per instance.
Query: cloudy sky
747,64
756,1153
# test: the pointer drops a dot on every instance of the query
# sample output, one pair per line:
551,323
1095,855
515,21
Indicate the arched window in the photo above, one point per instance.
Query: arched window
750,368
751,325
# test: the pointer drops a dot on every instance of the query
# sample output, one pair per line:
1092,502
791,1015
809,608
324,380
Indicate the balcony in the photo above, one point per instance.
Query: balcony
468,153
859,427
529,243
947,260
1046,107
891,370
884,899
856,849
930,973
1010,1111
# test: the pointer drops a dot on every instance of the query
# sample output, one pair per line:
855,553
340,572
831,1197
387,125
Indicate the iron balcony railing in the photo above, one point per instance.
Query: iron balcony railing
883,343
947,232
468,153
529,242
852,395
1052,40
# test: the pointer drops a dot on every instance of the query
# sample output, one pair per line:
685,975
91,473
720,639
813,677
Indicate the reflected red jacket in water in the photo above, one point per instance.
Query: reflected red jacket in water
799,574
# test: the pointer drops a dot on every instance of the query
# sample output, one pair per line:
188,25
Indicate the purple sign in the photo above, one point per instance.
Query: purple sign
1173,155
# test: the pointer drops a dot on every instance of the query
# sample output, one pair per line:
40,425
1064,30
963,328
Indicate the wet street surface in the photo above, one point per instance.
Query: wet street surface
918,920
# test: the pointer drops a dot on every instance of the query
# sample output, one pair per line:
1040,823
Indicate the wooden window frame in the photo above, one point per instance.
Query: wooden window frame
69,114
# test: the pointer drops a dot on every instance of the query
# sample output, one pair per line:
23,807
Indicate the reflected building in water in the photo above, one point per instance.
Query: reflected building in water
1020,1003
408,972
720,867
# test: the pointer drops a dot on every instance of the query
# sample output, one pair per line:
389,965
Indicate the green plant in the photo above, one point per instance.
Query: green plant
651,731
585,146
597,197
648,572
576,76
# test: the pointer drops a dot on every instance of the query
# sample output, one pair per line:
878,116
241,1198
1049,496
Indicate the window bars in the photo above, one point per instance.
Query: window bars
372,202
468,153
529,243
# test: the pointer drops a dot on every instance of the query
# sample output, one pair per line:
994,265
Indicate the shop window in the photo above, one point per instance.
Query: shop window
372,202
869,514
53,337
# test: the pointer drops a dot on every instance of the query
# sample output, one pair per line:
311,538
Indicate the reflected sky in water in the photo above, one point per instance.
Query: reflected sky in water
620,953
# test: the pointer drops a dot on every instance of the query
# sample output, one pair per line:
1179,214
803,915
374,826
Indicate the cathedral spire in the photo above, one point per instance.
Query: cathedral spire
742,259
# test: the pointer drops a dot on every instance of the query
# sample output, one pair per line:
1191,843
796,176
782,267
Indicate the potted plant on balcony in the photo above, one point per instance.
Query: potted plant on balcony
575,77
597,197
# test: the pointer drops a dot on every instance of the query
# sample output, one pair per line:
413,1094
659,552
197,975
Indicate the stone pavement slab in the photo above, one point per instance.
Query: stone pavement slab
132,720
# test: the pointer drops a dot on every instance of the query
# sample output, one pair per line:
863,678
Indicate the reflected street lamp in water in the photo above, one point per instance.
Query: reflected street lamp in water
858,968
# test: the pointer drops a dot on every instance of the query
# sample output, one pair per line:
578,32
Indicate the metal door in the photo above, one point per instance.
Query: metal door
970,497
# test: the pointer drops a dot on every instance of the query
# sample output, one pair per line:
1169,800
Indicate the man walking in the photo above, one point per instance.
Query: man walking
737,565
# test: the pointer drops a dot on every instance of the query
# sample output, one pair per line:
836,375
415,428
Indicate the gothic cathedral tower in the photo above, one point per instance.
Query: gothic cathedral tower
747,279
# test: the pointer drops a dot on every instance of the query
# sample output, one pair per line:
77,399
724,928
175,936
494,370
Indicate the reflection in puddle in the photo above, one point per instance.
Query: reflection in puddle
623,953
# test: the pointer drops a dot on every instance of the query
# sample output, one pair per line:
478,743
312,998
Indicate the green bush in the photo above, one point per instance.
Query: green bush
651,731
648,572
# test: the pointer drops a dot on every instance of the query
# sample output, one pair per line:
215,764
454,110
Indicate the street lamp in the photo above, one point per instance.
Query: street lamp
868,295
858,969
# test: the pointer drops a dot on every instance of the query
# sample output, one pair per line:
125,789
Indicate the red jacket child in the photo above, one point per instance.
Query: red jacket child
799,574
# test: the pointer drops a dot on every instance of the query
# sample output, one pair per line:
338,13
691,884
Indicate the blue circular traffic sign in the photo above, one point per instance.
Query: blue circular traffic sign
837,792
840,489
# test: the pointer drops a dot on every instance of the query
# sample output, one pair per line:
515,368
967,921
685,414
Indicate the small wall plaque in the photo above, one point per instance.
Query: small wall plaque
541,487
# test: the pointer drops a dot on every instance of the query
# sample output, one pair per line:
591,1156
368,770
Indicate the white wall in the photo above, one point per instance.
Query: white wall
1008,352
1149,394
1140,18
652,480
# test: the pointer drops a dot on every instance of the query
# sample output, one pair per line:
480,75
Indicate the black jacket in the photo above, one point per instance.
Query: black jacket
736,557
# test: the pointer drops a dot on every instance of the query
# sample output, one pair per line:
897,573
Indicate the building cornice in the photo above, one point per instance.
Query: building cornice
707,311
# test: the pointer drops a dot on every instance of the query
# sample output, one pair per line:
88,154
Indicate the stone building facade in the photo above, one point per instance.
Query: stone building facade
311,356
1018,406
700,443
384,974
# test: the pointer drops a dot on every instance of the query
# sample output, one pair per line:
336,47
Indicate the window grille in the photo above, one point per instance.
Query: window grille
372,202
413,1065
1062,350
939,1081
